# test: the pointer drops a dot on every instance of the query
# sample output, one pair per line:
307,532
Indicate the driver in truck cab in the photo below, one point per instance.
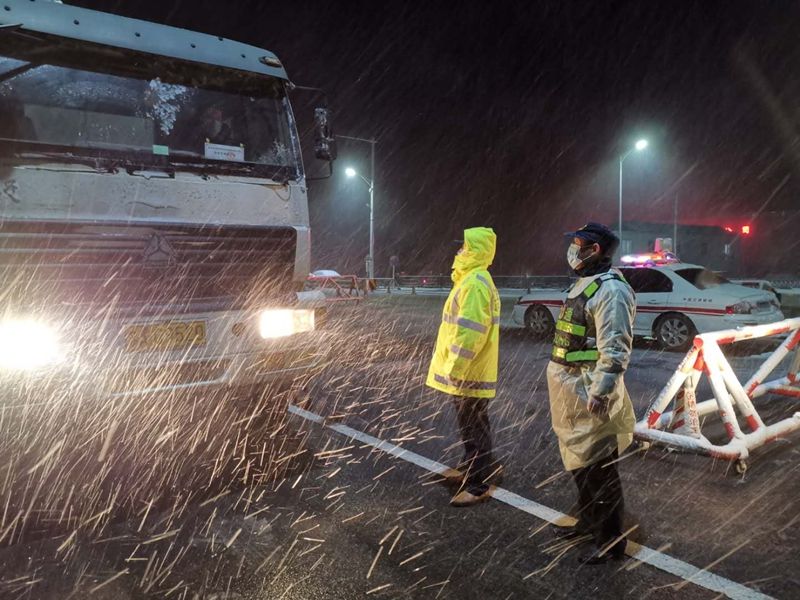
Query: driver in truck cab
216,128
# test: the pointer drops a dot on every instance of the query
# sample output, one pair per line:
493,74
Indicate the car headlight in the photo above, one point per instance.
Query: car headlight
27,344
740,308
284,322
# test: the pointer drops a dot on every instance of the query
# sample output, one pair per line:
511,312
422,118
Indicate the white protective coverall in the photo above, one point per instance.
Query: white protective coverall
584,438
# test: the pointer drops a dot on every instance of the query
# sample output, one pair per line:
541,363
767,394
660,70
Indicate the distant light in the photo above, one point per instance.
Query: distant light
745,229
641,145
350,172
650,259
729,229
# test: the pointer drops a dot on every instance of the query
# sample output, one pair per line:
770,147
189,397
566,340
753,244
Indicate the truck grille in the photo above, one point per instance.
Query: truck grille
143,267
136,379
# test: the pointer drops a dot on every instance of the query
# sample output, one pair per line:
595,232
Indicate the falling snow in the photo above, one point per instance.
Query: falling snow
121,479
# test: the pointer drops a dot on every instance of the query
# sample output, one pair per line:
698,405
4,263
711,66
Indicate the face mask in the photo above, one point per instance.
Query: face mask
573,257
578,262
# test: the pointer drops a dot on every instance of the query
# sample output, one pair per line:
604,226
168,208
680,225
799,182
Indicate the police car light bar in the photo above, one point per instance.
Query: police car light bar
650,258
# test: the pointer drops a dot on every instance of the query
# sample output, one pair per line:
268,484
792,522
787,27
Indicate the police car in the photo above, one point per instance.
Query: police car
674,301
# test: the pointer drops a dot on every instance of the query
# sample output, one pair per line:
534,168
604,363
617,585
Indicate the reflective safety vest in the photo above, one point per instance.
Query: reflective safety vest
571,342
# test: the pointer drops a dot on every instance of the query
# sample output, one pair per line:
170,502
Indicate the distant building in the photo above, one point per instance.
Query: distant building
772,248
712,247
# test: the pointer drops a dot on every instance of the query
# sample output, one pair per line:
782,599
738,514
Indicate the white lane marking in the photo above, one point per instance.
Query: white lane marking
654,558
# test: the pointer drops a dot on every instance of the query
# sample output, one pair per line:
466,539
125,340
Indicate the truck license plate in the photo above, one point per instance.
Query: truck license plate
171,335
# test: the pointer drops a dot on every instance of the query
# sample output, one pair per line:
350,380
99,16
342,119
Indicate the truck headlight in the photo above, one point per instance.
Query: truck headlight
283,322
27,344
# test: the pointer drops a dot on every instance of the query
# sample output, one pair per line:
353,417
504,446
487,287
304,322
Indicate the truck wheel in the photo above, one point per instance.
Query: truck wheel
675,332
539,322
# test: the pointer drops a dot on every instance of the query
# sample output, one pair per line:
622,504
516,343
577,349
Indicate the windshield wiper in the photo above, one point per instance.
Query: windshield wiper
102,164
278,174
17,71
140,166
108,165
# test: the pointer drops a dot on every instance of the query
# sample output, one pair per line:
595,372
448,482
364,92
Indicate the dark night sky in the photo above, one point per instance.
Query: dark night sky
513,114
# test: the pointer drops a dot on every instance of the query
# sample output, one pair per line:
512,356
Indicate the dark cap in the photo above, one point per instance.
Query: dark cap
597,233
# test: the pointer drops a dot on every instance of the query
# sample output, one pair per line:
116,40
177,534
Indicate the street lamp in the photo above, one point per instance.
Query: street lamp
350,172
637,147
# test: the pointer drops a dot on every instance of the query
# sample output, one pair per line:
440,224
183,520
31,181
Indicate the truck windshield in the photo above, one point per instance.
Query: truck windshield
176,113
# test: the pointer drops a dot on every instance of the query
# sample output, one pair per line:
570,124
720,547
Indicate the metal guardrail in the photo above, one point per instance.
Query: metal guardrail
440,282
785,283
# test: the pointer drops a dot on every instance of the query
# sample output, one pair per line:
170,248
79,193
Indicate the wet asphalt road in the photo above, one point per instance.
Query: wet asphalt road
349,521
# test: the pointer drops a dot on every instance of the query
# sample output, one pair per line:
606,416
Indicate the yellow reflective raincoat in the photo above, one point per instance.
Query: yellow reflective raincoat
584,438
465,358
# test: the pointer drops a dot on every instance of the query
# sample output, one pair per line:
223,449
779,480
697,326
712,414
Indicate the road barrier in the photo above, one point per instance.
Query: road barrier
680,428
340,288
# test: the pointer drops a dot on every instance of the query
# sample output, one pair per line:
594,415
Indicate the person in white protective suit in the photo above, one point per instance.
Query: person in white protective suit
590,409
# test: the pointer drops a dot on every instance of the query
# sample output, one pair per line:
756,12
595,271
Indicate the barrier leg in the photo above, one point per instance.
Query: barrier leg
684,420
790,343
795,367
742,400
660,403
713,356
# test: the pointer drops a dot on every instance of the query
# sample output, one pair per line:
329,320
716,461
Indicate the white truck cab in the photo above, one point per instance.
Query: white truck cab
154,230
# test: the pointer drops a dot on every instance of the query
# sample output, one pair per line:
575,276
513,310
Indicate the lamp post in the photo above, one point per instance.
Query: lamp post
350,172
638,147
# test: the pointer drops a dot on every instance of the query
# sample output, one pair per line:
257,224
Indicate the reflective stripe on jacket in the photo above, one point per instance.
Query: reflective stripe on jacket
571,343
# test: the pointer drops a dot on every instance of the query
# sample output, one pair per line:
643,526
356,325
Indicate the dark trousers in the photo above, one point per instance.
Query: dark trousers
476,433
600,502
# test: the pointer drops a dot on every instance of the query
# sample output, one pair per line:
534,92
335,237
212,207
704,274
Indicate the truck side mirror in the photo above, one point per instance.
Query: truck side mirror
324,142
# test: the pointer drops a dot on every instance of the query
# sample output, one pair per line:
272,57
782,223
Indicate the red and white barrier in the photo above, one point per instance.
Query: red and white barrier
680,427
342,287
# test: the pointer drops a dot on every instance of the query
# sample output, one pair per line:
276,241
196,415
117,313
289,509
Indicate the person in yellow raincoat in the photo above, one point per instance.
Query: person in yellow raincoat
464,363
591,411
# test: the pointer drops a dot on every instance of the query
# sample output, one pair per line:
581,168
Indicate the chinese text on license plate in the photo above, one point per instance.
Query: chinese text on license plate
172,335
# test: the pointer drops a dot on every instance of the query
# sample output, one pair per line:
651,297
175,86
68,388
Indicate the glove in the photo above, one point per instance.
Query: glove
597,406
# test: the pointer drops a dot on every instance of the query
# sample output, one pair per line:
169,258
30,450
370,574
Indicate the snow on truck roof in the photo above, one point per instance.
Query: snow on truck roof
54,18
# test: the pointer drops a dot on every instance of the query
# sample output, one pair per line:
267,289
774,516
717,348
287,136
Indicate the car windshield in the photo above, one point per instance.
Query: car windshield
702,279
169,112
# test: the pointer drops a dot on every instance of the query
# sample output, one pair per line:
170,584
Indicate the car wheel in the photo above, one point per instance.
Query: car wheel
539,322
675,332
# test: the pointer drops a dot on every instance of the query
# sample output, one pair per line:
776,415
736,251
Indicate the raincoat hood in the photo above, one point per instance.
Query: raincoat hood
480,244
